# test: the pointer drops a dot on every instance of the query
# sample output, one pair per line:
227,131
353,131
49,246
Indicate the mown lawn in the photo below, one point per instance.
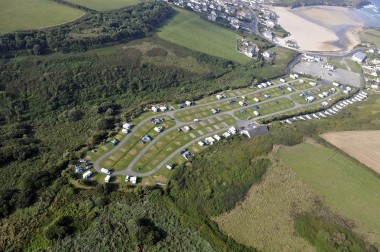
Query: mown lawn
189,30
19,15
344,184
102,5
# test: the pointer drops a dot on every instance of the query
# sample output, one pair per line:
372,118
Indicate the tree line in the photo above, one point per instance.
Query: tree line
95,29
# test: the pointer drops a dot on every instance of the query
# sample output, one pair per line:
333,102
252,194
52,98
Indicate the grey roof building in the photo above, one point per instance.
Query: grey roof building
256,131
359,57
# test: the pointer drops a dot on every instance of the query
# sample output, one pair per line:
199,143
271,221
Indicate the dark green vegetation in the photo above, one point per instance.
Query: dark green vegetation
55,107
216,182
328,236
94,29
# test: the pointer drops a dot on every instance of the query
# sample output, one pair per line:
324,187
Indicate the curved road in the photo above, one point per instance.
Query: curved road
129,169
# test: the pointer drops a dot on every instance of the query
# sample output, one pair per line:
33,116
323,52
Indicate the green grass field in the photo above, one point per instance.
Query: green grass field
344,184
19,15
102,5
189,30
371,35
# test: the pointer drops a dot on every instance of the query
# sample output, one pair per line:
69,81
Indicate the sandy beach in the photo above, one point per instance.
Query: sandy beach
320,28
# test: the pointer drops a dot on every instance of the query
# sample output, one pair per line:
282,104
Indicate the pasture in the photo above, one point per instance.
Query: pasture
20,15
101,5
344,184
189,30
361,145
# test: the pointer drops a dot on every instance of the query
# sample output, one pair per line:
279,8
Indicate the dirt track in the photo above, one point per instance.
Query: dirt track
361,145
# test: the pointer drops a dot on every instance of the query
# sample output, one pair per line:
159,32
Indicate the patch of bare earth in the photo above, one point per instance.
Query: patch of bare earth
364,146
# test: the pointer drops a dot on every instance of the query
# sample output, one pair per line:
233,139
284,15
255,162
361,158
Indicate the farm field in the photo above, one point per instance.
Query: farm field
344,184
189,30
266,212
19,15
101,5
361,145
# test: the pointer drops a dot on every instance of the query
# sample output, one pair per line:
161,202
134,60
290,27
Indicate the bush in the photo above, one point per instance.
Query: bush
59,228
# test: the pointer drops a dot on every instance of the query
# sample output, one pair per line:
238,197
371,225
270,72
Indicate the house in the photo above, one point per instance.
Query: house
186,128
87,175
200,143
127,178
268,34
282,80
312,83
114,142
107,178
133,179
125,131
256,131
267,55
127,126
155,108
289,89
256,99
256,113
359,57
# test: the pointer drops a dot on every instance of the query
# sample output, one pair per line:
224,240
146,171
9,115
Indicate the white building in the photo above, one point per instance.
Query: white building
359,57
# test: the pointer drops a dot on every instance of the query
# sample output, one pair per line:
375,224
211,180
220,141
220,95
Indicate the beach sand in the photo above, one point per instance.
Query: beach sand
320,28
